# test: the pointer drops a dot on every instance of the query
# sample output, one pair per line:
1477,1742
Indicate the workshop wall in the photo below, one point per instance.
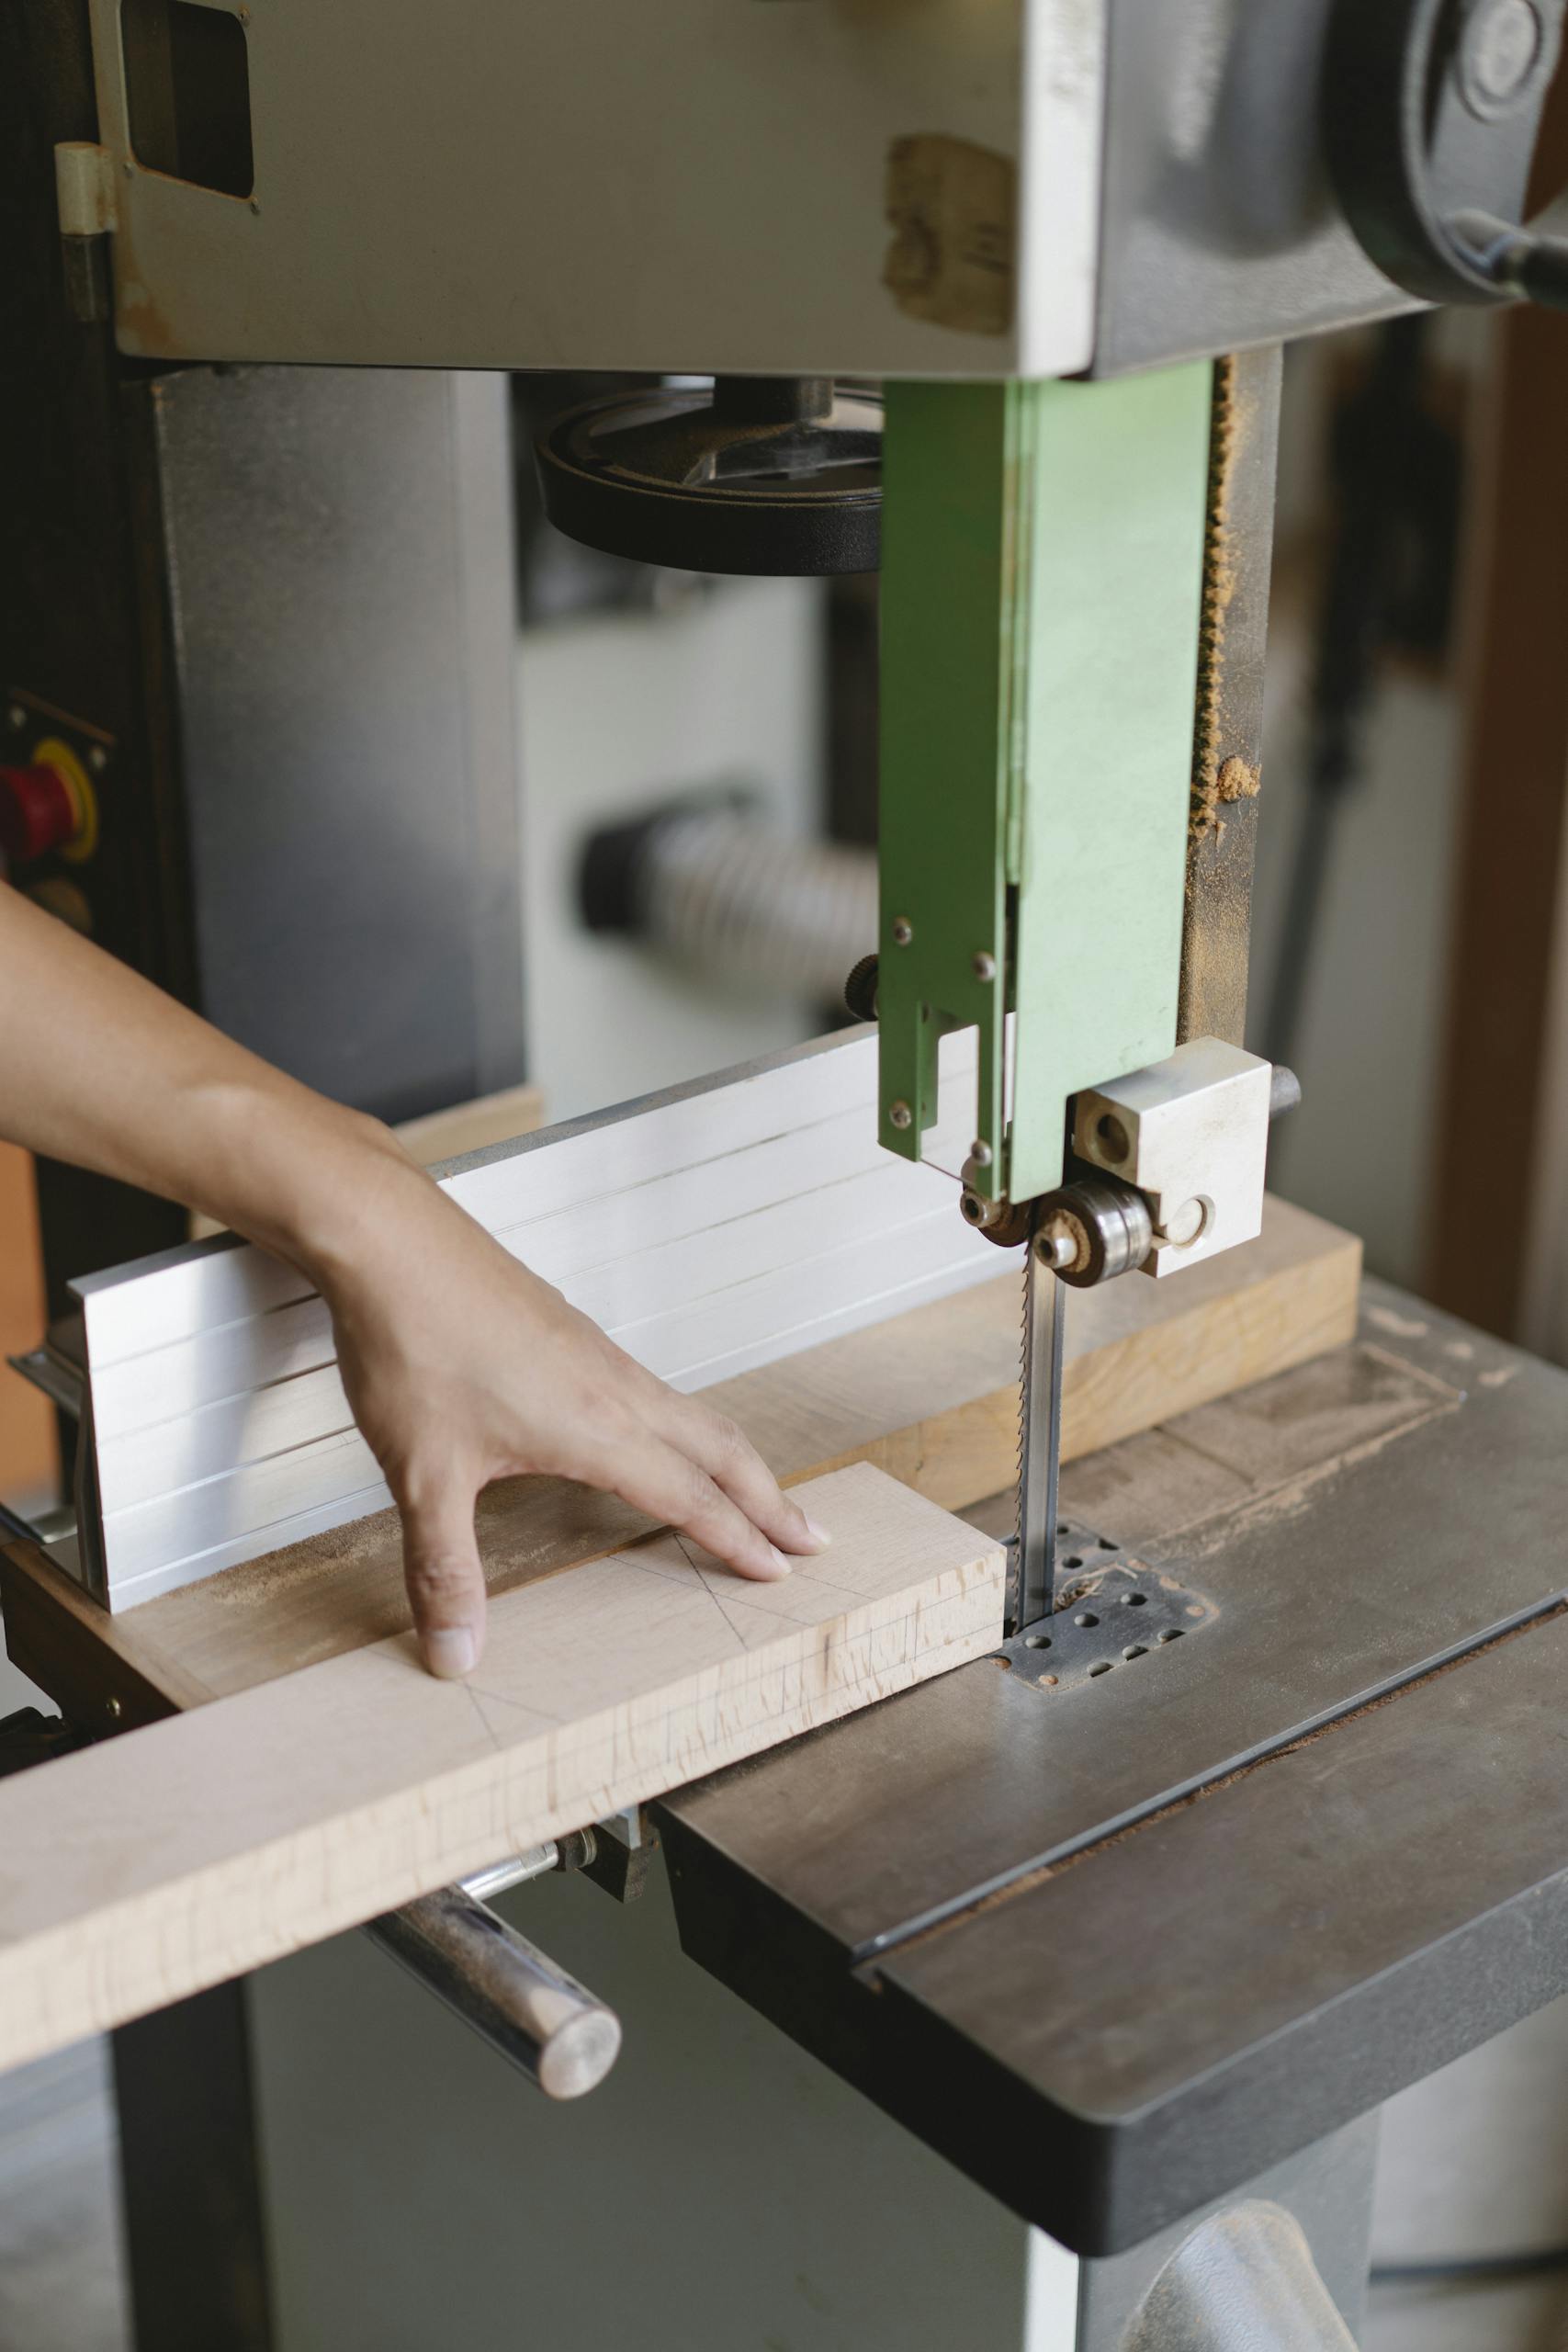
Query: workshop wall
1473,2163
1371,1039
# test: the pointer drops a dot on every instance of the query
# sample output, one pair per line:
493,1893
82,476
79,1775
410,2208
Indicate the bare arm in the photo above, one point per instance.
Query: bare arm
460,1365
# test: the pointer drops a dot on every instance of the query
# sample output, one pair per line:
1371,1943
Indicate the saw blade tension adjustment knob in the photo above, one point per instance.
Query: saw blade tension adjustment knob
1430,115
860,989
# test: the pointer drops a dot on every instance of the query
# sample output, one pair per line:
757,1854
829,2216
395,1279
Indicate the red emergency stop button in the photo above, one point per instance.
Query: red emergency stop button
48,804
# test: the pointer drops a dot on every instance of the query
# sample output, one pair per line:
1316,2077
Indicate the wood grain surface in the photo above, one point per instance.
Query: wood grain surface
143,1869
929,1397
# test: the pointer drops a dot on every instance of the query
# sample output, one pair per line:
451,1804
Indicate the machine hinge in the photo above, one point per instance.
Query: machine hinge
83,180
84,192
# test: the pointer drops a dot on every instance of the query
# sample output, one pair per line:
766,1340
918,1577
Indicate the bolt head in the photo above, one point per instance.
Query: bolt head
16,715
899,1115
980,1153
983,965
97,758
903,931
1505,50
1061,1244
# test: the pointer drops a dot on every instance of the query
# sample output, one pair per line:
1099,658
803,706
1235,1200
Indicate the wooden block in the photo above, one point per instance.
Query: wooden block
144,1869
931,1397
28,1454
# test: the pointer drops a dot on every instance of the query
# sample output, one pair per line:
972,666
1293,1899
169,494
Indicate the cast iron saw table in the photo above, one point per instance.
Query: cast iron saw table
1118,1947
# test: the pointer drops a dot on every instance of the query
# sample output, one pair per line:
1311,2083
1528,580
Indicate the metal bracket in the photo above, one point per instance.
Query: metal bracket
59,1379
30,1737
1037,733
85,188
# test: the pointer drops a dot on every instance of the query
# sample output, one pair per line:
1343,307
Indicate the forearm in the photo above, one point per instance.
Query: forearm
459,1365
99,1068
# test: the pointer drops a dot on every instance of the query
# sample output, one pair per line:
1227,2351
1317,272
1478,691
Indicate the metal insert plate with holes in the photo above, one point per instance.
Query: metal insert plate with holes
1113,1956
1112,1609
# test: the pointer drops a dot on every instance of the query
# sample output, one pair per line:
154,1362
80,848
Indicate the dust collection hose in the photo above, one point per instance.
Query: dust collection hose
721,890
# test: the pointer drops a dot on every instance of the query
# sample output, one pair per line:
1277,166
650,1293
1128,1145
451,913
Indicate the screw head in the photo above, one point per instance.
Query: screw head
1063,1244
97,758
115,1710
903,931
983,964
980,1153
1504,46
16,715
900,1116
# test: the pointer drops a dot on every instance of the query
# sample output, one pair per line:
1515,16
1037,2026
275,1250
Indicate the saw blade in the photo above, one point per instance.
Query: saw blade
1039,1438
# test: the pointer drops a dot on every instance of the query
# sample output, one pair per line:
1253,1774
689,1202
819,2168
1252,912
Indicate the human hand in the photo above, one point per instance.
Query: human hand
461,1366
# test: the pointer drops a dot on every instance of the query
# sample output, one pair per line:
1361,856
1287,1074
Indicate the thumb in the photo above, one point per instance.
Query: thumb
445,1582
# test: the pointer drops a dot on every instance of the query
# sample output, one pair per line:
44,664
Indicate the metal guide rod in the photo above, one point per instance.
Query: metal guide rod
511,1993
1039,1441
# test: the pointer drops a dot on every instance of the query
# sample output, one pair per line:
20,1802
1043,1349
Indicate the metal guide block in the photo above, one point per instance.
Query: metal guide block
1190,1132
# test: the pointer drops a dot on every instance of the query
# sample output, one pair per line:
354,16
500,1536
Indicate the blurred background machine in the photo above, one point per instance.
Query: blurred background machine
265,715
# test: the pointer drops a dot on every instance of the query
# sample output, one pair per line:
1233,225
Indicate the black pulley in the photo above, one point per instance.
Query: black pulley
1430,114
758,474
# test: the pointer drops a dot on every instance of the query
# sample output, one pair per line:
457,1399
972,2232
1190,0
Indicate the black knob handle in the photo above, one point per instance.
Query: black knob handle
1431,111
860,989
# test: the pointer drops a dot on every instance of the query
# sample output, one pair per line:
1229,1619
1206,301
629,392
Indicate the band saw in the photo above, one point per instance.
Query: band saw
1257,1815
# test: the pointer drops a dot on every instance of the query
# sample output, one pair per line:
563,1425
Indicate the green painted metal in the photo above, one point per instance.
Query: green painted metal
1042,558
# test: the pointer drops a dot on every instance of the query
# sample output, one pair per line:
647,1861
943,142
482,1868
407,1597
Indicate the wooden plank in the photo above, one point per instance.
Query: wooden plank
28,1454
143,1870
929,1397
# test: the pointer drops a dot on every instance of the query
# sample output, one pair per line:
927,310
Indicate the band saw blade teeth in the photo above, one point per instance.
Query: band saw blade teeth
1022,1422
